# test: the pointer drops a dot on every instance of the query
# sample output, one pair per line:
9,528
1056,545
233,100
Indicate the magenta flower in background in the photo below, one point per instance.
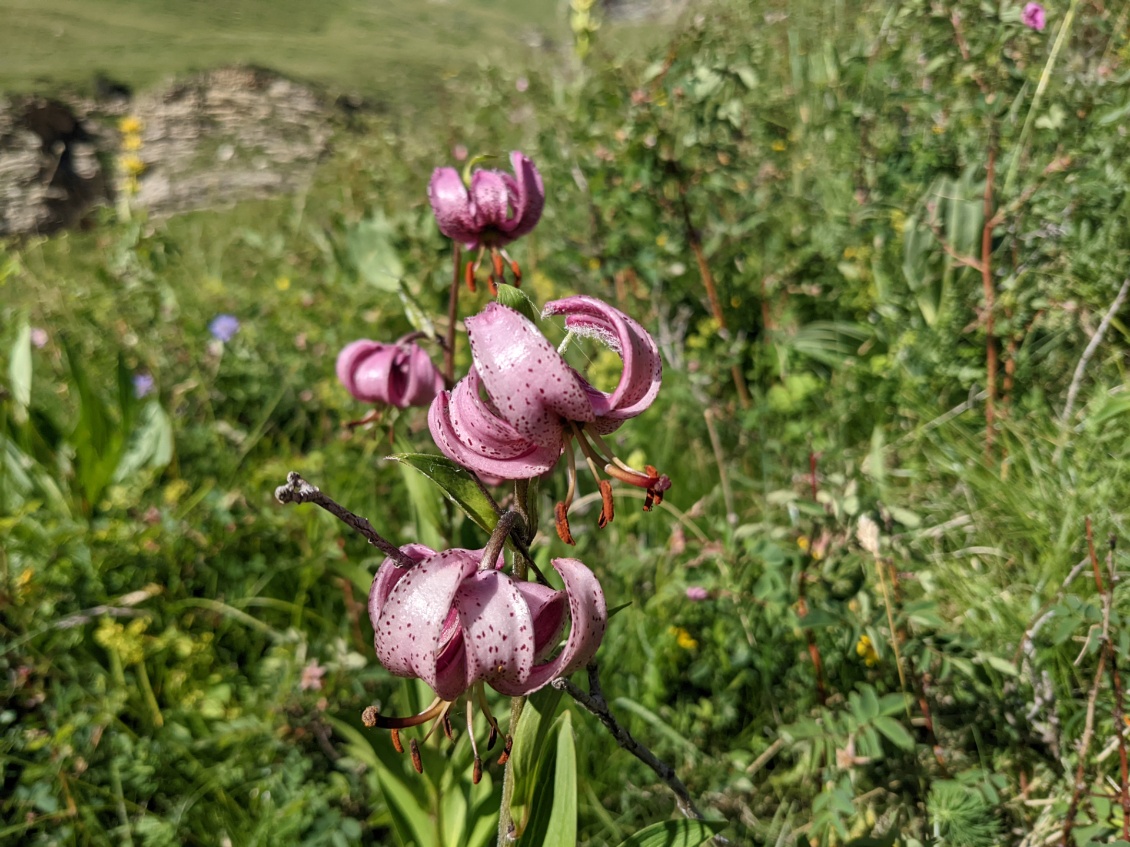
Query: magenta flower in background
142,385
399,374
224,327
453,623
535,403
1034,17
312,674
39,337
697,593
497,209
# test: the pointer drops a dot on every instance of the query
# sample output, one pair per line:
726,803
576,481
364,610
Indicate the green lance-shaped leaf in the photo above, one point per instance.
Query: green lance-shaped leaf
529,742
19,370
457,483
681,833
553,822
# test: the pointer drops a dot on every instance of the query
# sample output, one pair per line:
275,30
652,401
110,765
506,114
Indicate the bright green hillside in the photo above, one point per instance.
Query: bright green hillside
382,49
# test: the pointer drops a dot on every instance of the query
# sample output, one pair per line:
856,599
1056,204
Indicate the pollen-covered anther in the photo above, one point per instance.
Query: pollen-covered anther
417,762
447,730
394,734
477,771
469,276
370,715
561,521
606,511
506,748
653,482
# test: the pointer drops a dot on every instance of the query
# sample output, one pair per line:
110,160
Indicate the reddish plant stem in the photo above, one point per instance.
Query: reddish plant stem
802,602
1119,714
1094,559
711,289
990,303
452,315
1079,788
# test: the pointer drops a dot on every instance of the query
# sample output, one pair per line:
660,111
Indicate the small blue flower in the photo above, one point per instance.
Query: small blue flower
142,385
223,327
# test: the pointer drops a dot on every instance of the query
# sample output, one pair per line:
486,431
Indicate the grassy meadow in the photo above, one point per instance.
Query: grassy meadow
885,252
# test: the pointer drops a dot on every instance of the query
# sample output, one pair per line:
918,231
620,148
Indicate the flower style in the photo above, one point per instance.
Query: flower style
535,404
1034,17
456,621
497,209
399,374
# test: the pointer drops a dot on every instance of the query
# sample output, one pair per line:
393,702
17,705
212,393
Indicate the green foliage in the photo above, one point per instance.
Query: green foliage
161,614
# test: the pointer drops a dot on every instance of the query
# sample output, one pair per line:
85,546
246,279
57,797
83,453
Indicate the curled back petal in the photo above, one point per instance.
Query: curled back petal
416,380
468,432
452,207
365,367
388,574
642,374
498,631
547,608
411,621
589,616
529,383
527,195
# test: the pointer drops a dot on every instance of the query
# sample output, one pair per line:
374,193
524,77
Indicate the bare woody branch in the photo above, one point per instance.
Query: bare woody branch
298,490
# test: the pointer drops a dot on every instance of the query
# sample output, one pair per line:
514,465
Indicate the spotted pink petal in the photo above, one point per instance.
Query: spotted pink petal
390,573
642,374
525,377
527,195
452,207
589,616
468,431
498,629
490,199
547,607
411,621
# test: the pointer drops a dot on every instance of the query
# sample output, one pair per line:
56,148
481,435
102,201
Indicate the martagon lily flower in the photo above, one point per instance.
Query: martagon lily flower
398,374
496,209
535,404
456,621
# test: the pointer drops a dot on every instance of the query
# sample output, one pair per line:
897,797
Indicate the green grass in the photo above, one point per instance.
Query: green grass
391,50
802,169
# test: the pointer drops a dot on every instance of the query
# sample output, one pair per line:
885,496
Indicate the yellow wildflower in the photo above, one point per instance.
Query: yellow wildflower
594,264
661,240
132,165
866,651
131,143
282,283
779,146
683,638
130,125
803,543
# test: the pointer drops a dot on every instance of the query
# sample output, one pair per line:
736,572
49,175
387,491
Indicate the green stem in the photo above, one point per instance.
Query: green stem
1060,39
505,821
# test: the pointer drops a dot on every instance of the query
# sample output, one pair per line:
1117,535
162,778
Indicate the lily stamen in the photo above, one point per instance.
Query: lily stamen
477,771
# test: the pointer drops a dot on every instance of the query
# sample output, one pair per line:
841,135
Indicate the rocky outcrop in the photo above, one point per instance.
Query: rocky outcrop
50,174
641,10
226,135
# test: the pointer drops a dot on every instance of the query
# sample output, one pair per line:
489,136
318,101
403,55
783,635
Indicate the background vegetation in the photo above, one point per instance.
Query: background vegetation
882,247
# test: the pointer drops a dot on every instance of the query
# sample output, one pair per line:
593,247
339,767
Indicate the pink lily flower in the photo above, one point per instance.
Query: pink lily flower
497,209
399,374
535,404
456,621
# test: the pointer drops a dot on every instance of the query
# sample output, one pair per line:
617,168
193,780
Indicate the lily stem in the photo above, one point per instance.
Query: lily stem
452,315
298,490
